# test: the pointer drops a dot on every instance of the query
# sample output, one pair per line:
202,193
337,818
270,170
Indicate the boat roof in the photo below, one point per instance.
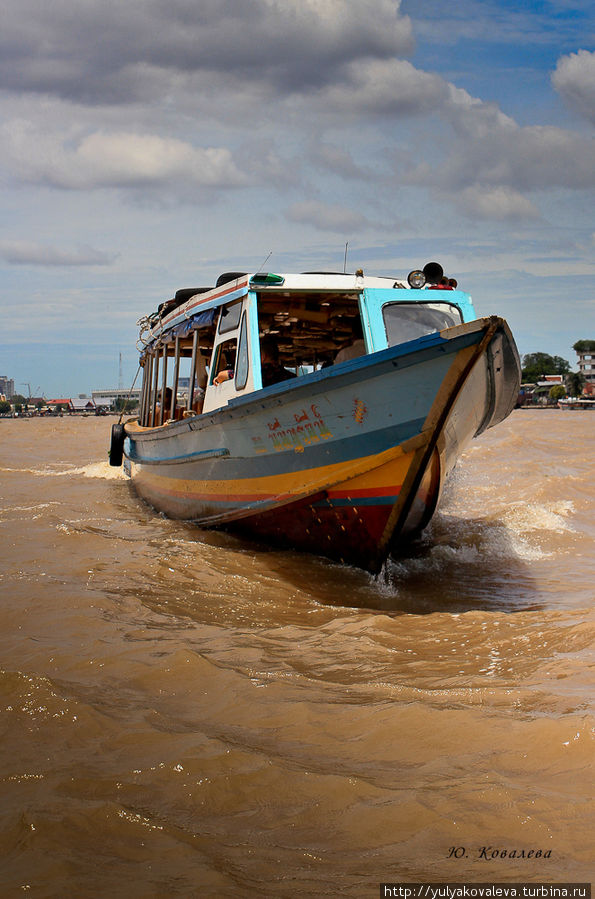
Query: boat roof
310,281
234,285
192,307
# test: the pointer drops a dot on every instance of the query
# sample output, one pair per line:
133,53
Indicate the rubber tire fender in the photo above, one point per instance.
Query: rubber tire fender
228,276
116,447
184,293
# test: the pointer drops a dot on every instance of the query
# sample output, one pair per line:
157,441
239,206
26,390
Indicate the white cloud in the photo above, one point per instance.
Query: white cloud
493,163
337,160
116,159
93,52
388,87
327,217
497,203
22,252
574,79
473,118
528,158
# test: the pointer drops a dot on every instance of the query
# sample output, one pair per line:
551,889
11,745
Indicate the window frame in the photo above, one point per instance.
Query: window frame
242,361
429,304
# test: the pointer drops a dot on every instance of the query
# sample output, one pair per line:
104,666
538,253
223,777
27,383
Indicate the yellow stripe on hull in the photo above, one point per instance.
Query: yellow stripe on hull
182,497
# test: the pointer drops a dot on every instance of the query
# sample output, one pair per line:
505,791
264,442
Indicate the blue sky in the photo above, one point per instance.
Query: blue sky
149,146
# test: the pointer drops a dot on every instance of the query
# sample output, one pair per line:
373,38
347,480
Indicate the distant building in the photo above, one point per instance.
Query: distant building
64,404
538,394
586,366
7,386
72,404
106,398
82,404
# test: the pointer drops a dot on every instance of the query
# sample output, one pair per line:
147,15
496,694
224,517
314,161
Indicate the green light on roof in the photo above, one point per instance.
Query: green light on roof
266,278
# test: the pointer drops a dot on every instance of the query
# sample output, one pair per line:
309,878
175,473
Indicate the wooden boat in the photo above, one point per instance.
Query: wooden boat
576,403
341,458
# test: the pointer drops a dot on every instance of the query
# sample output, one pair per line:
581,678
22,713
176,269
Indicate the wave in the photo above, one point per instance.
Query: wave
524,517
38,509
102,470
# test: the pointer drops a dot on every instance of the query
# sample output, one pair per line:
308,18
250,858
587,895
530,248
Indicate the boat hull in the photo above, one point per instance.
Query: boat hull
347,462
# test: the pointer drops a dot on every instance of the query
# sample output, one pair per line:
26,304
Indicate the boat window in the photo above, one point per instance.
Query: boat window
241,368
408,321
230,317
309,327
225,357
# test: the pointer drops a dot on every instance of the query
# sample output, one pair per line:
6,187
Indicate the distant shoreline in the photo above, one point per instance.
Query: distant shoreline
70,415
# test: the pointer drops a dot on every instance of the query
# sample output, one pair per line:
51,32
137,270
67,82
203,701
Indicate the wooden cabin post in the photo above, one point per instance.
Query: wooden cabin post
192,370
141,405
155,384
148,374
163,385
176,378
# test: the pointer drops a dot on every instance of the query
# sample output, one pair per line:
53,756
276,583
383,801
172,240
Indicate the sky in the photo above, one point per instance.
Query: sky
149,145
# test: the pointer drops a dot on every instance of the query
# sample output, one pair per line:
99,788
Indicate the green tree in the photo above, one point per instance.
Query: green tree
535,365
575,381
562,365
584,346
19,398
557,392
5,407
122,404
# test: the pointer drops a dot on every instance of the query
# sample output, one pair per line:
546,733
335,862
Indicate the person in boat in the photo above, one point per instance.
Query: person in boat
355,346
272,370
444,284
198,397
178,411
166,405
198,400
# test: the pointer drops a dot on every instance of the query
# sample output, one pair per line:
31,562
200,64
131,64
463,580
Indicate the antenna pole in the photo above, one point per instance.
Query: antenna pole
345,260
262,264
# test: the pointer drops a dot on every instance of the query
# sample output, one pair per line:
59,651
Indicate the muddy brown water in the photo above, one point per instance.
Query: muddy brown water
185,713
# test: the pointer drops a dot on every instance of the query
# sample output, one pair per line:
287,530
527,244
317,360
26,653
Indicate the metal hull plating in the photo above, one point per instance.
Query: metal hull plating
346,461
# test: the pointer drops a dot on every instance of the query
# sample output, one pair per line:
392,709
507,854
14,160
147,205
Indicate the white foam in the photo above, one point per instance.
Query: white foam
101,470
36,510
94,470
539,517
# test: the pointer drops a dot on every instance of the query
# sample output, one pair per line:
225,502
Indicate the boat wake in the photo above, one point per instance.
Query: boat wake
528,517
10,512
486,559
520,531
101,470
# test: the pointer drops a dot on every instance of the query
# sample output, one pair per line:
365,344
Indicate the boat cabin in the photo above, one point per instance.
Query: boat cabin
310,318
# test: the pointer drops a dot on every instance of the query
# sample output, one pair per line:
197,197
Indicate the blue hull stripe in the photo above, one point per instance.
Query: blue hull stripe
325,453
331,502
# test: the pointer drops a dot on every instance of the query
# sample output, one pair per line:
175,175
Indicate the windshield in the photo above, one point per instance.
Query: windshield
408,321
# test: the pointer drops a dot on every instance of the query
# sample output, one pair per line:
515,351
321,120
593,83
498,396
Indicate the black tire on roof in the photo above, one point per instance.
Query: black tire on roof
186,292
228,276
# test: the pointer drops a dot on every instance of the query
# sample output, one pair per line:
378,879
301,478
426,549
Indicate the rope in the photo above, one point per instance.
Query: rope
129,395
